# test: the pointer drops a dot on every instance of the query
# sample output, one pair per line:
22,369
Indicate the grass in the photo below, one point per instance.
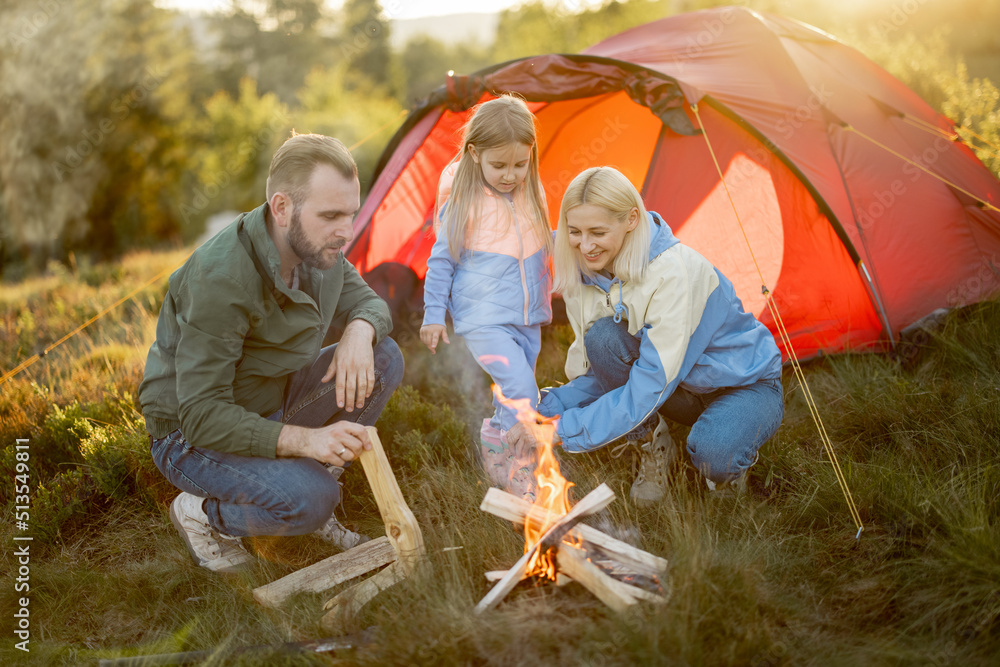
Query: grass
772,577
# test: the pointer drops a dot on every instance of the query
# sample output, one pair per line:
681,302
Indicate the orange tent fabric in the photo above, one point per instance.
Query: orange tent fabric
854,242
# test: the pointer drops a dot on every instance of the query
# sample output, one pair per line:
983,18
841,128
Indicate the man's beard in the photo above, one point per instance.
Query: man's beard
311,255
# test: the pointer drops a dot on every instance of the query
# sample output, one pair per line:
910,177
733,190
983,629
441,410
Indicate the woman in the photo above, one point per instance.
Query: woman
660,333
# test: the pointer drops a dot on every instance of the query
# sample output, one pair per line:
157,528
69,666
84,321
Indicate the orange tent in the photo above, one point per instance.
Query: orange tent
863,210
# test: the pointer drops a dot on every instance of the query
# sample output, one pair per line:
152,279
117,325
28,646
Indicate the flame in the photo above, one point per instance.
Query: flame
552,493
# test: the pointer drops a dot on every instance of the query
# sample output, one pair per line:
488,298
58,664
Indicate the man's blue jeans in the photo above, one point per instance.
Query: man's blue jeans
249,495
728,425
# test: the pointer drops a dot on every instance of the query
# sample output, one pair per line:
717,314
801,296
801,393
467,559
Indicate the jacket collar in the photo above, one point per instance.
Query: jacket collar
255,223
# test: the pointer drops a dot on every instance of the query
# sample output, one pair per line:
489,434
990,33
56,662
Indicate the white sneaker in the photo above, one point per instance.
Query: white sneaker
211,549
336,534
656,456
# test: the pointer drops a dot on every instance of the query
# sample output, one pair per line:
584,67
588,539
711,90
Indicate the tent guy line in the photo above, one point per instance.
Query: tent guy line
786,341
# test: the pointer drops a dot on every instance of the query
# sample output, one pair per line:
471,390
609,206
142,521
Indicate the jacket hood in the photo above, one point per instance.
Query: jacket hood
661,236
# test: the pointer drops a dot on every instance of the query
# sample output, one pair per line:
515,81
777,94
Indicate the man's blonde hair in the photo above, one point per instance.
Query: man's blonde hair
293,164
611,190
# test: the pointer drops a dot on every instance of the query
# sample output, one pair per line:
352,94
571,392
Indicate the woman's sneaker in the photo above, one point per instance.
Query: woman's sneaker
656,455
211,549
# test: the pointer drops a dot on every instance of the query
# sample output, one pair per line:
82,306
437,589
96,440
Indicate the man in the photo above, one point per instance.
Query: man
247,415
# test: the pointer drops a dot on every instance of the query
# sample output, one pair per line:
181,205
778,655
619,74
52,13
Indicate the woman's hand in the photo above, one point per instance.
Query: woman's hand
524,443
430,334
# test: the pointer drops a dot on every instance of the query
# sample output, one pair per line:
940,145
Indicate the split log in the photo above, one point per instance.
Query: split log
327,573
575,563
403,547
594,501
506,584
497,575
515,509
400,525
347,603
401,529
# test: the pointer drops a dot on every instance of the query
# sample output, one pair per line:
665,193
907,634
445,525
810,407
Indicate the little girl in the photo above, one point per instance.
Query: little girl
490,267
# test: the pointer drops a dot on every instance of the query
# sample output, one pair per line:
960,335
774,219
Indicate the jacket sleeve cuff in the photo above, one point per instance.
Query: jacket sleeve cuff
434,315
378,323
264,440
550,405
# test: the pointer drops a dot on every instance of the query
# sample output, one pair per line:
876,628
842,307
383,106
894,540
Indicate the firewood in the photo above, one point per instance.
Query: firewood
403,547
349,602
573,560
642,562
506,583
328,572
594,501
401,526
497,575
515,509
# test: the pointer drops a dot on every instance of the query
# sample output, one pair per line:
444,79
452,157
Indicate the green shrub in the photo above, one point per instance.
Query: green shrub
55,502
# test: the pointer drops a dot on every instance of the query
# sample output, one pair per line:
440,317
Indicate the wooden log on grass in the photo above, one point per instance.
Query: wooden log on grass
327,573
608,590
402,546
594,501
348,603
515,509
401,529
401,526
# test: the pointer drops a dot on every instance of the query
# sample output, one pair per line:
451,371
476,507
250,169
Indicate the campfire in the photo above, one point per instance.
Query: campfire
557,545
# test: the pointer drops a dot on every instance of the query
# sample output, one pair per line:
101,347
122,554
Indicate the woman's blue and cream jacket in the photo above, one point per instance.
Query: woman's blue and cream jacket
693,333
502,276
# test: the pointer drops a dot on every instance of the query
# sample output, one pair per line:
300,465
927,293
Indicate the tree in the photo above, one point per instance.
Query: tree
364,46
364,118
538,27
93,103
425,62
239,136
276,45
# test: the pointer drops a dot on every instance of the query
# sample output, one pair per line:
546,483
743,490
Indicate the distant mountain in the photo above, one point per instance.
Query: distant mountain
451,29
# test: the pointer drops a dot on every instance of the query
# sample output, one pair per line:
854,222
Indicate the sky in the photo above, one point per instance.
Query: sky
394,9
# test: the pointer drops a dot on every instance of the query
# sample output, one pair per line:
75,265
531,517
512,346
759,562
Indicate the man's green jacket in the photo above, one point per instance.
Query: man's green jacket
227,342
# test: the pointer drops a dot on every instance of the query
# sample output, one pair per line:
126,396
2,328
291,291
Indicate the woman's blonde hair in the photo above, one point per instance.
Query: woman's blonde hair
611,190
493,124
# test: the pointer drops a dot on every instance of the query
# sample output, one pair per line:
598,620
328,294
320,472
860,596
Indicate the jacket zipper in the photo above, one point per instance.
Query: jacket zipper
520,260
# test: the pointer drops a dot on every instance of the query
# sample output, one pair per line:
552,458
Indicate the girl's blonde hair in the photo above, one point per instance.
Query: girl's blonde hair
493,124
611,190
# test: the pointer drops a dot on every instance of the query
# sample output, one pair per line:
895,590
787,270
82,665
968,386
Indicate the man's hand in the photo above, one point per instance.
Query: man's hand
430,334
337,443
353,365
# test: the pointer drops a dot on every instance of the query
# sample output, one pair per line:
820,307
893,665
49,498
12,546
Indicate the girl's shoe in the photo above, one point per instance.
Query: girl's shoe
494,454
501,466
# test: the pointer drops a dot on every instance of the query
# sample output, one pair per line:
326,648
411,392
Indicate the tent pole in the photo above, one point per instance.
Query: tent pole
878,303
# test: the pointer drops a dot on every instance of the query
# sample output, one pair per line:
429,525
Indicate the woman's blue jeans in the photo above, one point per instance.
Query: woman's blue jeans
728,425
250,495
